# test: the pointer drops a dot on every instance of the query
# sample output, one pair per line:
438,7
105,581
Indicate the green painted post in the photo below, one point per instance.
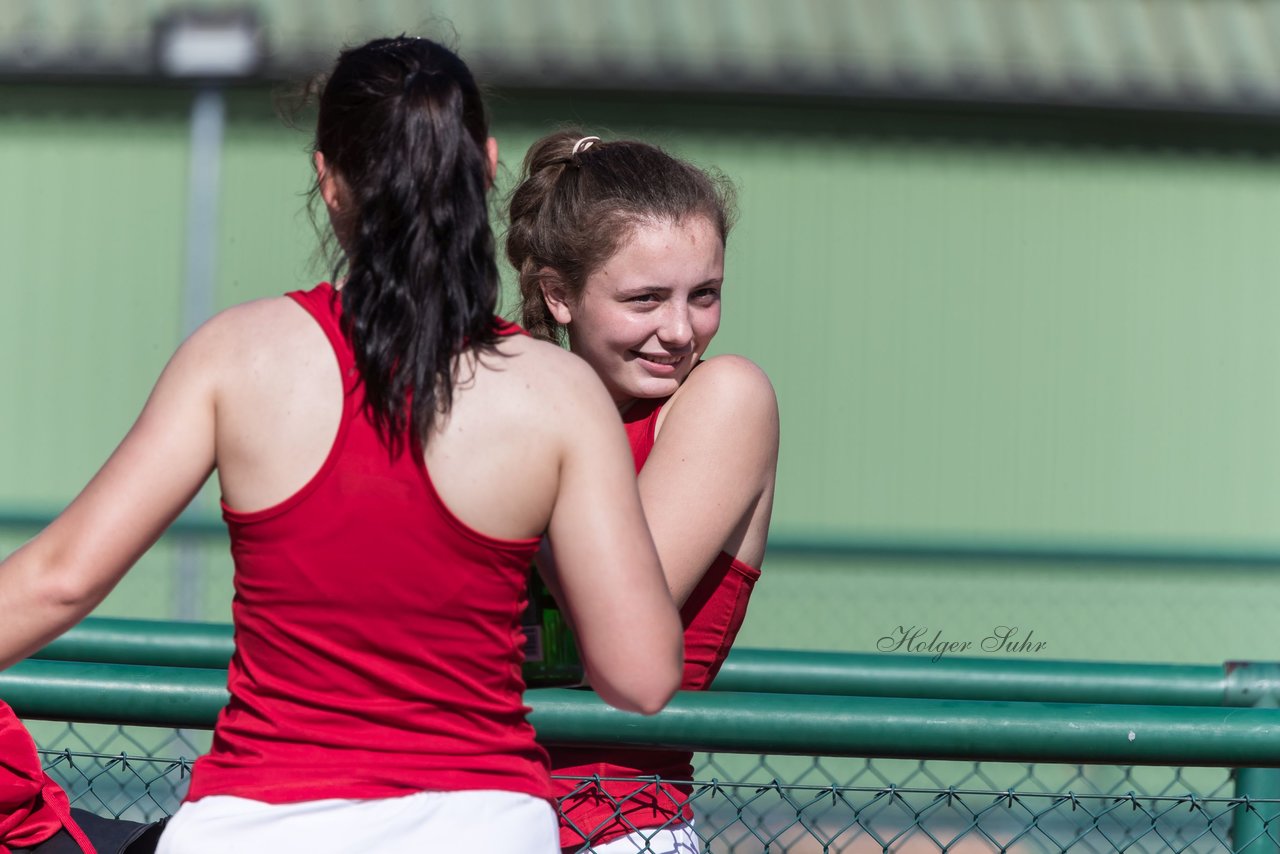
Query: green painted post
1255,828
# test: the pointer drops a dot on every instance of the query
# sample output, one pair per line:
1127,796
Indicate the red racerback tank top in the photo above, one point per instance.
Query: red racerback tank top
712,615
378,639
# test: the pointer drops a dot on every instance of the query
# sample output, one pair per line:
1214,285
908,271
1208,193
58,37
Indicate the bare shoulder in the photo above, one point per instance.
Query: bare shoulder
272,331
260,323
731,385
732,371
540,355
550,375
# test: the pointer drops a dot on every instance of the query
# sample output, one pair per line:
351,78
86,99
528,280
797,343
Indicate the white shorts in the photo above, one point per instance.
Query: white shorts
676,839
478,822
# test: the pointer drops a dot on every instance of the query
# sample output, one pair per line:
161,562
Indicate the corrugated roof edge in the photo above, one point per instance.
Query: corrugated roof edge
1177,55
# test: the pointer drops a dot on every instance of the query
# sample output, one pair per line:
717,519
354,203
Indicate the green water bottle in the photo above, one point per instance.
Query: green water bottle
550,653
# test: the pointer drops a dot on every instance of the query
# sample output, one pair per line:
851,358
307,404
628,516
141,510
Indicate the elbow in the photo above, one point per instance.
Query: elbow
71,598
653,697
41,600
640,699
64,588
62,603
646,686
666,682
655,702
61,589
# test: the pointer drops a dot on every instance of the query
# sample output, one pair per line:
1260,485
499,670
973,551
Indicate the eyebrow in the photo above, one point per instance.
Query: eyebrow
649,289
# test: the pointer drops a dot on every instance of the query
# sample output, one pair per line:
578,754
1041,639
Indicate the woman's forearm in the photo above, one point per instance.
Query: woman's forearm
37,602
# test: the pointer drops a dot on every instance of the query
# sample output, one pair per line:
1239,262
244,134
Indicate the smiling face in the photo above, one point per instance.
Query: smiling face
645,318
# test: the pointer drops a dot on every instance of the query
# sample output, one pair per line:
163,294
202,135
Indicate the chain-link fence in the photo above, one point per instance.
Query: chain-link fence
801,805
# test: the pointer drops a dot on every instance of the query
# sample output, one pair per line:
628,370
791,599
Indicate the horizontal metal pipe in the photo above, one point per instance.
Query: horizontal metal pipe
737,722
115,693
177,644
900,675
921,729
144,642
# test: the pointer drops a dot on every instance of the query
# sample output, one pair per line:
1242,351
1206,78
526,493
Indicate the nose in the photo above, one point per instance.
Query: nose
676,332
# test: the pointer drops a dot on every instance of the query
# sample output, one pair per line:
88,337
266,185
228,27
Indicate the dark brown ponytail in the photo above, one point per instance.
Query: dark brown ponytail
403,125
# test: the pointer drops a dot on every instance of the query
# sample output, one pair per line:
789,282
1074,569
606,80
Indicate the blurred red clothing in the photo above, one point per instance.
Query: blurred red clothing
32,806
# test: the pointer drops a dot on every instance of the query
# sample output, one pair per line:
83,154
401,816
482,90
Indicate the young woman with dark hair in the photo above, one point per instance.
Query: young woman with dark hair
389,455
619,248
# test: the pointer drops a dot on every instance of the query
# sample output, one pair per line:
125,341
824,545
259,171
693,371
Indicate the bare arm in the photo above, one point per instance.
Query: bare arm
707,486
607,569
58,577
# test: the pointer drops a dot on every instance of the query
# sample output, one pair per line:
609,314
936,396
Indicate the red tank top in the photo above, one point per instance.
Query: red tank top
712,615
378,639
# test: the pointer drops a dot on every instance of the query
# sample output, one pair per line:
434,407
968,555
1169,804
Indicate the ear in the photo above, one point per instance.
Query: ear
491,157
556,296
328,184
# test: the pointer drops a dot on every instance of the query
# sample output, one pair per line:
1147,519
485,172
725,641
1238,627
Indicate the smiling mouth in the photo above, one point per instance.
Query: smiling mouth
661,359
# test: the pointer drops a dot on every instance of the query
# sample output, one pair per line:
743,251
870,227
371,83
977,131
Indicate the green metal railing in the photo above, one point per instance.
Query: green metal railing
209,645
862,722
730,721
996,793
147,642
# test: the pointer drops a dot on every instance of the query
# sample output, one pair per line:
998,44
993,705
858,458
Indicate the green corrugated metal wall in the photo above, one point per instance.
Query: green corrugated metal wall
970,337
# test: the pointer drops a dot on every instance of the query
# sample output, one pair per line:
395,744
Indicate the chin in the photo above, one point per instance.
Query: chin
640,385
654,387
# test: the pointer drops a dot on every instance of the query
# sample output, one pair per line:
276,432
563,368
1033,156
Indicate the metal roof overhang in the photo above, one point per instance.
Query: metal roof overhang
1212,56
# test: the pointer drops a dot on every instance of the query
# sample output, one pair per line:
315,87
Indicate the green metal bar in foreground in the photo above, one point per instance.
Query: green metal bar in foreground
899,675
158,642
723,721
145,642
115,693
921,729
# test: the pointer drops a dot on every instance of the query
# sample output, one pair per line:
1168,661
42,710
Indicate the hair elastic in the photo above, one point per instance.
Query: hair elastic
583,144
